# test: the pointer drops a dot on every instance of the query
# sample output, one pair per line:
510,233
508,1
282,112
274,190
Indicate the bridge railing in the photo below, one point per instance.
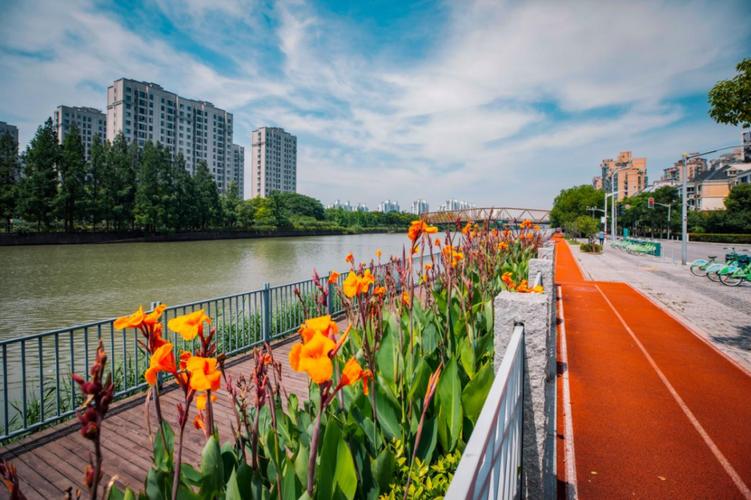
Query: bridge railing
490,466
35,371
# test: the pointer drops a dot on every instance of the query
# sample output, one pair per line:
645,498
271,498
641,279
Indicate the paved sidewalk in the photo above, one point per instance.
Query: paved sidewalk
719,313
648,409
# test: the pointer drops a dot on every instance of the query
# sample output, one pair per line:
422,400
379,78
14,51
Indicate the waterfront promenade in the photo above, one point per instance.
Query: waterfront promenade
51,461
647,408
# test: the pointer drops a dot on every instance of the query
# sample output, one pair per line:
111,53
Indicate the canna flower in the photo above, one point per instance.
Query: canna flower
467,228
379,291
340,342
313,358
502,246
506,233
198,423
438,242
322,324
431,229
378,253
536,227
508,280
350,285
428,266
526,224
349,258
358,285
189,325
204,375
453,254
406,300
353,372
134,320
201,401
163,360
333,277
153,317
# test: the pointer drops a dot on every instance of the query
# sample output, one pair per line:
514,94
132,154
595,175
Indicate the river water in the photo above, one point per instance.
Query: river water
47,287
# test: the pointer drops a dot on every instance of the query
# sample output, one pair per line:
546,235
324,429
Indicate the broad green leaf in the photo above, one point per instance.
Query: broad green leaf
291,487
474,394
301,464
429,339
163,454
212,469
419,382
450,406
386,358
427,440
233,489
389,413
345,476
336,473
467,357
383,469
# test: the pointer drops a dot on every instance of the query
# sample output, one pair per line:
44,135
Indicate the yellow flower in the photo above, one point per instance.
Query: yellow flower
538,289
321,324
406,300
313,358
204,375
379,290
153,317
188,325
350,285
502,246
378,253
163,360
132,321
201,401
431,229
364,282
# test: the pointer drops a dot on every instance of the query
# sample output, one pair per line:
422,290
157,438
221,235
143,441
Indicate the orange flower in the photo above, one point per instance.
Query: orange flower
350,285
198,422
153,317
378,253
321,324
406,300
204,375
380,291
467,228
156,337
188,325
349,258
428,266
432,385
340,342
201,401
416,227
313,358
508,280
529,236
536,227
431,229
526,224
438,242
353,372
135,320
502,246
365,281
333,277
522,287
163,360
453,254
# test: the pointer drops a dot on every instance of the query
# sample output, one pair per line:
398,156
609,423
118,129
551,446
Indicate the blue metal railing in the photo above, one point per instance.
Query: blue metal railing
37,389
490,466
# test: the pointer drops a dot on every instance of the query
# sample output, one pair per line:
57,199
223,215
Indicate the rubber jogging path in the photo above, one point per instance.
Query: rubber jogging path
656,411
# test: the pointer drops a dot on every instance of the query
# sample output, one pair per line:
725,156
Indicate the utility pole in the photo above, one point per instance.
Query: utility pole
684,212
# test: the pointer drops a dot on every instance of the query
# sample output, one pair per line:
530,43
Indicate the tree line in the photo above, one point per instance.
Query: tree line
52,187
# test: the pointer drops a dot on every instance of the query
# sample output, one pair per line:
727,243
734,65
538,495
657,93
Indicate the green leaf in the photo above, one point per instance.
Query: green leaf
212,469
336,475
419,382
450,406
389,413
233,489
301,464
428,440
429,339
291,487
163,454
467,357
474,394
383,469
386,359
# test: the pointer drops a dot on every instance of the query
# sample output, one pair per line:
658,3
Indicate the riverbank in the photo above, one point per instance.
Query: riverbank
95,237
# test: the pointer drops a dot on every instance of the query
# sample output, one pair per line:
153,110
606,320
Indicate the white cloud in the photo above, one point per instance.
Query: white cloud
510,95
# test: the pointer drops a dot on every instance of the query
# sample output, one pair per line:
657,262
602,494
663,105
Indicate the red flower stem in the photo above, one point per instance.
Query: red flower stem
314,446
178,462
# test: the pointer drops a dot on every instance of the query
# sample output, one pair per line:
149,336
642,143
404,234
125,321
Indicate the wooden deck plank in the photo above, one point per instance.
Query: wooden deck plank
50,461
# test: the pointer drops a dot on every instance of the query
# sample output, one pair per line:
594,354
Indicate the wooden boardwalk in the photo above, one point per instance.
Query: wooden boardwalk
51,461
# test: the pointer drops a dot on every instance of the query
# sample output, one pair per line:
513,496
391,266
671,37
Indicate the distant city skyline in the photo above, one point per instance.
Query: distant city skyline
383,97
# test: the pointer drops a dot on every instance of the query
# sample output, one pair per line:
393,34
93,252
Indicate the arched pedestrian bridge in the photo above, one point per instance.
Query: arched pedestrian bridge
503,215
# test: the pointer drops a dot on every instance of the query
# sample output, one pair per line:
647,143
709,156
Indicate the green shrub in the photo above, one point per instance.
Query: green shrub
720,237
590,247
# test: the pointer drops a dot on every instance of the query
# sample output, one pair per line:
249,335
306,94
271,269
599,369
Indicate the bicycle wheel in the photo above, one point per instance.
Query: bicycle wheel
713,276
698,270
730,280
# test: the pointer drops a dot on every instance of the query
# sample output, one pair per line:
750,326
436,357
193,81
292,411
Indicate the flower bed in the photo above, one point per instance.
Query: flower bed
393,396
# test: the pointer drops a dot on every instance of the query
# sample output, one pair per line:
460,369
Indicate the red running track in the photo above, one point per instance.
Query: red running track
657,412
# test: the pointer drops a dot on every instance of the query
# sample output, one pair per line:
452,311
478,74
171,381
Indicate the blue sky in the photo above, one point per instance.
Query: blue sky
497,102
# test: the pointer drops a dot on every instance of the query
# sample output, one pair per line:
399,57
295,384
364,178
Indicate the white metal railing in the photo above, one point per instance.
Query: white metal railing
490,466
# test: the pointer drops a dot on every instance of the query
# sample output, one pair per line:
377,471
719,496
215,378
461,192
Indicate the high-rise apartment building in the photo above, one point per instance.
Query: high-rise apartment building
453,205
628,174
198,130
237,173
388,206
273,161
7,128
90,123
419,207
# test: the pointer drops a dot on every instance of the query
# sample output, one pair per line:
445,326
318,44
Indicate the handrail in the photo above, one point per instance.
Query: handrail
490,466
37,389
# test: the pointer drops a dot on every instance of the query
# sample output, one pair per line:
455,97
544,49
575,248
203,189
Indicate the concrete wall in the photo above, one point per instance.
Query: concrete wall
537,313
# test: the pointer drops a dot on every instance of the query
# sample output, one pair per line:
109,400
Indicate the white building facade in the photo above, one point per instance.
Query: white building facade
389,206
90,123
198,130
273,162
419,207
238,168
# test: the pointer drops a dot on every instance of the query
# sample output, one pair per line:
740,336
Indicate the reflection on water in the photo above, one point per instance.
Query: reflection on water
46,287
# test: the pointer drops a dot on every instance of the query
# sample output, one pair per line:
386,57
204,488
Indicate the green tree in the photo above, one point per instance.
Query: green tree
230,203
298,204
730,100
207,196
70,198
246,213
8,178
738,209
585,226
185,191
148,203
94,189
39,184
573,202
119,184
